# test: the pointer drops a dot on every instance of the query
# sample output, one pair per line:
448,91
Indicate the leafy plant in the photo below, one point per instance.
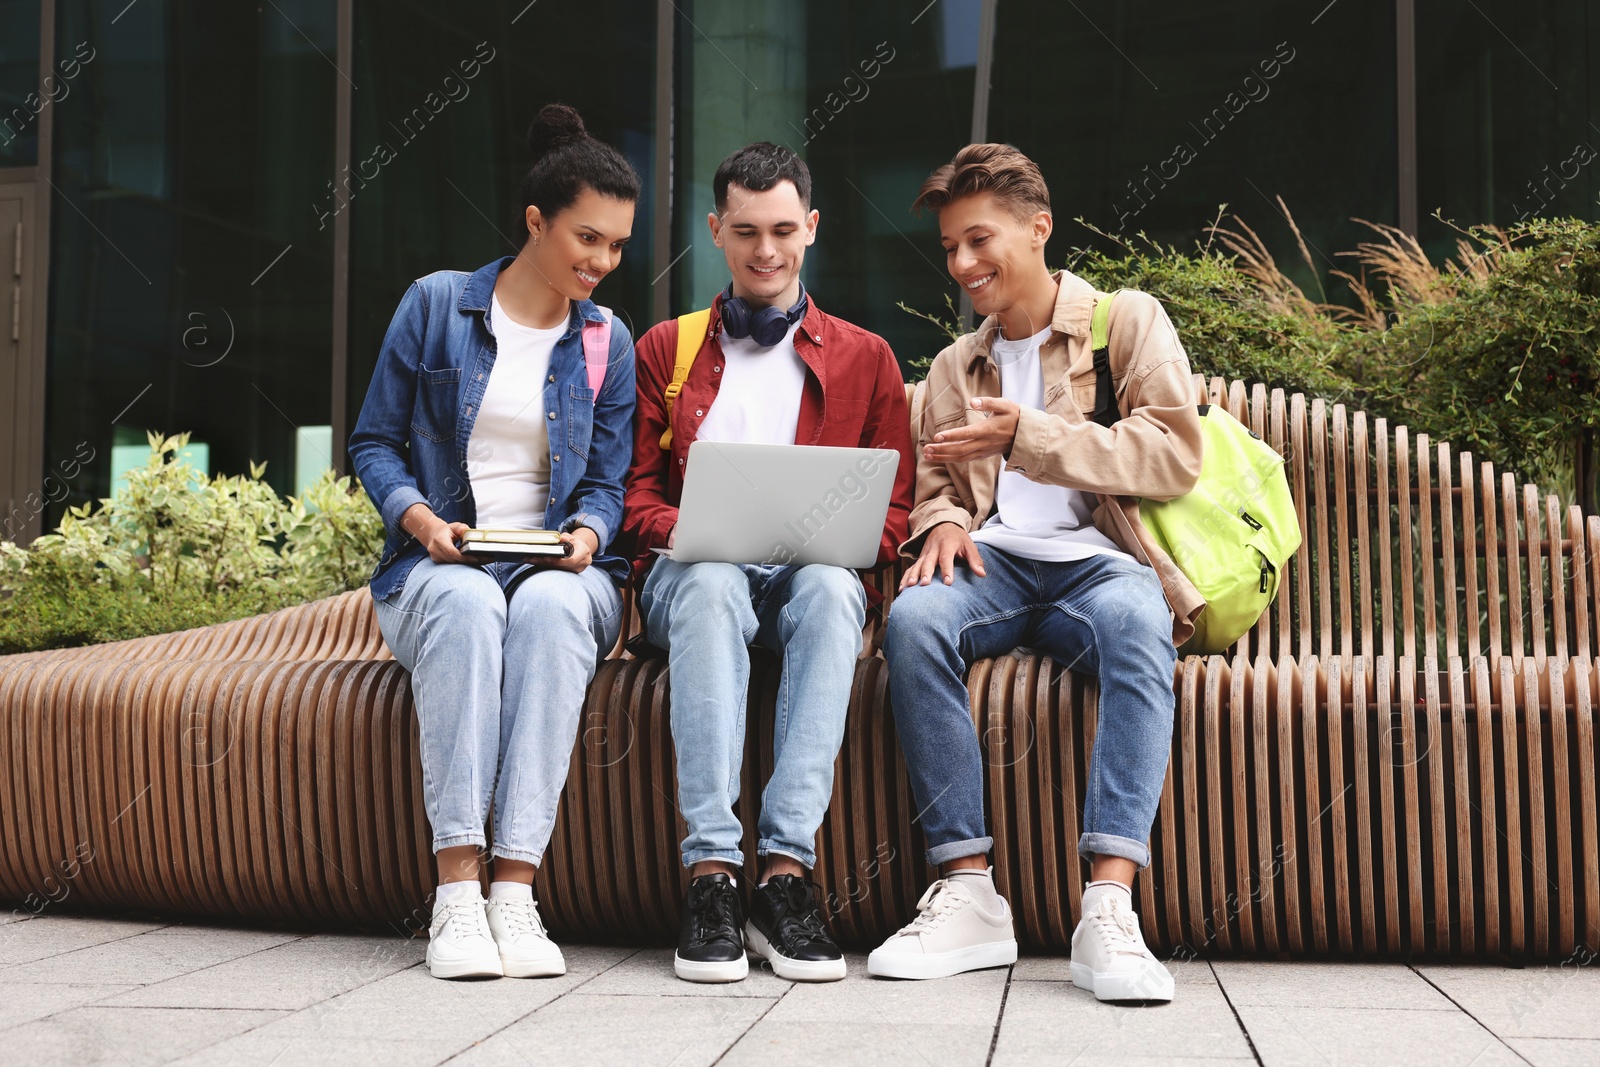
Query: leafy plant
177,548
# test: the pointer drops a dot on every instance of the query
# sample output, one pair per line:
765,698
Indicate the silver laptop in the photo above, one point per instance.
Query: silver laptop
780,504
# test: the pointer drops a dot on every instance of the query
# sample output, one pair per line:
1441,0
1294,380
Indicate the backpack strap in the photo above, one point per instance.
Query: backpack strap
691,335
1105,390
597,350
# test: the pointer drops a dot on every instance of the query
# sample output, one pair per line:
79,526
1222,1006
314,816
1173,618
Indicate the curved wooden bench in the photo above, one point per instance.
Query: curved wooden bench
1399,760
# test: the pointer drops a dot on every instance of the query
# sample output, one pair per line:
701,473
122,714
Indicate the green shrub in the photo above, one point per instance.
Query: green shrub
178,549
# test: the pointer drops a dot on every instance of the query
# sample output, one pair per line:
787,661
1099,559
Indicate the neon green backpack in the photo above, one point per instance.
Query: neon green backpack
1233,532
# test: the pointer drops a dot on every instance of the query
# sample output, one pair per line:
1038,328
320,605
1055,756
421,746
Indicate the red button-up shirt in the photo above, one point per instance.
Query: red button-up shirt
854,397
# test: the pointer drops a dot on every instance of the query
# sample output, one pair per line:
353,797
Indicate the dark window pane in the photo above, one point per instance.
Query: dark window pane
1148,116
21,98
189,281
1508,113
440,145
873,97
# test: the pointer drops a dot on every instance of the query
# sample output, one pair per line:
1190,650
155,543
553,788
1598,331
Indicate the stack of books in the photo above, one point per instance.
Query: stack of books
517,544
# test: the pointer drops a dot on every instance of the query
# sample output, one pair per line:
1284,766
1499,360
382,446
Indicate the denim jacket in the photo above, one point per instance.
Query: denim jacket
410,443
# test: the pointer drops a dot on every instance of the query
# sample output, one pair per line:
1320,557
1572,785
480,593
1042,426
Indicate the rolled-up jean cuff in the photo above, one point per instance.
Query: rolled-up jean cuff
709,855
956,850
520,854
1091,845
456,840
804,857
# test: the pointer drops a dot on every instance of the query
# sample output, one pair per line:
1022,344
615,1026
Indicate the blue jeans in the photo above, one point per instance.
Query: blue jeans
499,669
1102,615
706,615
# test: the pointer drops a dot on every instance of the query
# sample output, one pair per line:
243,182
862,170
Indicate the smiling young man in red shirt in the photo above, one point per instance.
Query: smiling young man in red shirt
772,368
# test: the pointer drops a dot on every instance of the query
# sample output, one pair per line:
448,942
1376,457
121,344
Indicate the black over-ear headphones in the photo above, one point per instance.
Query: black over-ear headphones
766,326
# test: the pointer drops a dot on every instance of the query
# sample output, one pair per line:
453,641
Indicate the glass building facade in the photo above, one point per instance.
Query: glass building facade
215,207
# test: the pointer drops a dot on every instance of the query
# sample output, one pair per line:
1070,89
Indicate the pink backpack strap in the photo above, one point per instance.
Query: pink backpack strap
597,350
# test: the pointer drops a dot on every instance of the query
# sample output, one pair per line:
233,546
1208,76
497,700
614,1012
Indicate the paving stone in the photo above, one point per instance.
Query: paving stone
51,935
413,1005
22,1002
888,1002
1322,1036
806,1044
149,957
623,1029
1056,1021
1548,1001
649,972
259,1050
126,1037
1312,984
1556,1051
294,975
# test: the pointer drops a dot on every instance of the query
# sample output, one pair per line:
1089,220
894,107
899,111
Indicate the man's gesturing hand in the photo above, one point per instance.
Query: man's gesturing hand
991,437
944,544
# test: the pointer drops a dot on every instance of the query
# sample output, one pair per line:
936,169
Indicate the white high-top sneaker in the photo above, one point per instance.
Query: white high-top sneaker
951,933
526,951
459,943
1109,957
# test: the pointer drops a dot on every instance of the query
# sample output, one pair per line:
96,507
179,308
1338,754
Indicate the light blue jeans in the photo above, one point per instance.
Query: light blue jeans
706,615
1104,615
498,684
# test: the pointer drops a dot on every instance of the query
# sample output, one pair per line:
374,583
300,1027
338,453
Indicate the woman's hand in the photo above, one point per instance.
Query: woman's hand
944,544
585,543
436,535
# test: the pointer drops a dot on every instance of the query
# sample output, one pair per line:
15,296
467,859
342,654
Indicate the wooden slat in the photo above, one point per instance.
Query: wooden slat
1427,551
1488,793
1532,545
1360,445
1558,583
1463,879
1389,614
1514,590
1562,802
1580,584
1341,511
1511,712
1469,556
1302,563
1406,571
1447,553
1491,562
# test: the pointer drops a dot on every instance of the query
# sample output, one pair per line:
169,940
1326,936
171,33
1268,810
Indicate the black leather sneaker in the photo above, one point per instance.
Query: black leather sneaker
786,927
711,939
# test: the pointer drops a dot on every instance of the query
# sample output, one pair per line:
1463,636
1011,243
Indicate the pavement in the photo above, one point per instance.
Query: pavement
83,990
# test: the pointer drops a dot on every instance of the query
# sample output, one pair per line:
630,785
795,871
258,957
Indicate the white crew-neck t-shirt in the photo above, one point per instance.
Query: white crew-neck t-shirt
1033,520
508,455
758,401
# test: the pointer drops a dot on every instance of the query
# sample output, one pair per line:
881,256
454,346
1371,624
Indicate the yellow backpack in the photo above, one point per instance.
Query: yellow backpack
691,334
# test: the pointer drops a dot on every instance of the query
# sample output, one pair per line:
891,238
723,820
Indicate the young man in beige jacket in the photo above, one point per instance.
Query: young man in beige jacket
1026,534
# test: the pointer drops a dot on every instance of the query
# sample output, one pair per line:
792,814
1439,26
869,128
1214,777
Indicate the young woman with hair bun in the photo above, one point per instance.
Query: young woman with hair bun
503,398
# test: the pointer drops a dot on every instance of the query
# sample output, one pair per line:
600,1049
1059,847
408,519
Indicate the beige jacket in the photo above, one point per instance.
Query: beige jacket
1154,451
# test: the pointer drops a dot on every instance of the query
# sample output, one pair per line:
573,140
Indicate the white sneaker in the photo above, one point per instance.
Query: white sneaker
459,942
1109,957
526,951
950,934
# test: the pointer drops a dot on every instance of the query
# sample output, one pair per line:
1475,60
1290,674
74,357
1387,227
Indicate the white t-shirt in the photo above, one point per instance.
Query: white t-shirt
508,455
1033,520
758,401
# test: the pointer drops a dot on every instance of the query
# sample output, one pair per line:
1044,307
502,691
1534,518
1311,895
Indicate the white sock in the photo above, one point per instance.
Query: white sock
454,892
1095,892
981,885
510,891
